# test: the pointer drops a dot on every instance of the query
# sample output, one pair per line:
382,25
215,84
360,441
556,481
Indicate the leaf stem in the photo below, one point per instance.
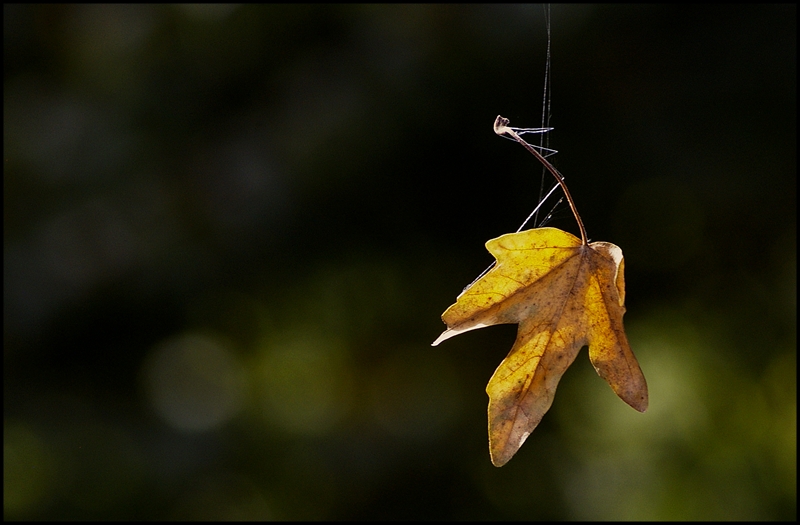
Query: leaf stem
501,128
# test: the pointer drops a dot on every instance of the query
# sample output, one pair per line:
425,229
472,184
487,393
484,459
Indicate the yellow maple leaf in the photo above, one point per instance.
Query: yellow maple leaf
564,293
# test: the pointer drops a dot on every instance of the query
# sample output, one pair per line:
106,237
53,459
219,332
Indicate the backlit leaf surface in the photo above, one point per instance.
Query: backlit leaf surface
563,295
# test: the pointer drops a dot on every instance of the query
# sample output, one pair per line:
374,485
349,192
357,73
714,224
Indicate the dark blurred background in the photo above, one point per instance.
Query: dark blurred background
230,232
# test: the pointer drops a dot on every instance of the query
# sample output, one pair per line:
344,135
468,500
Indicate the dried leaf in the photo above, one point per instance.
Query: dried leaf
564,295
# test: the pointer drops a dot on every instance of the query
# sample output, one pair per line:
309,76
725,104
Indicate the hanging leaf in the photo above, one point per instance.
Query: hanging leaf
564,293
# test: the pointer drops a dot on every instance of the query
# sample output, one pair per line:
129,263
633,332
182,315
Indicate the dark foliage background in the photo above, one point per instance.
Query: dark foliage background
229,233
